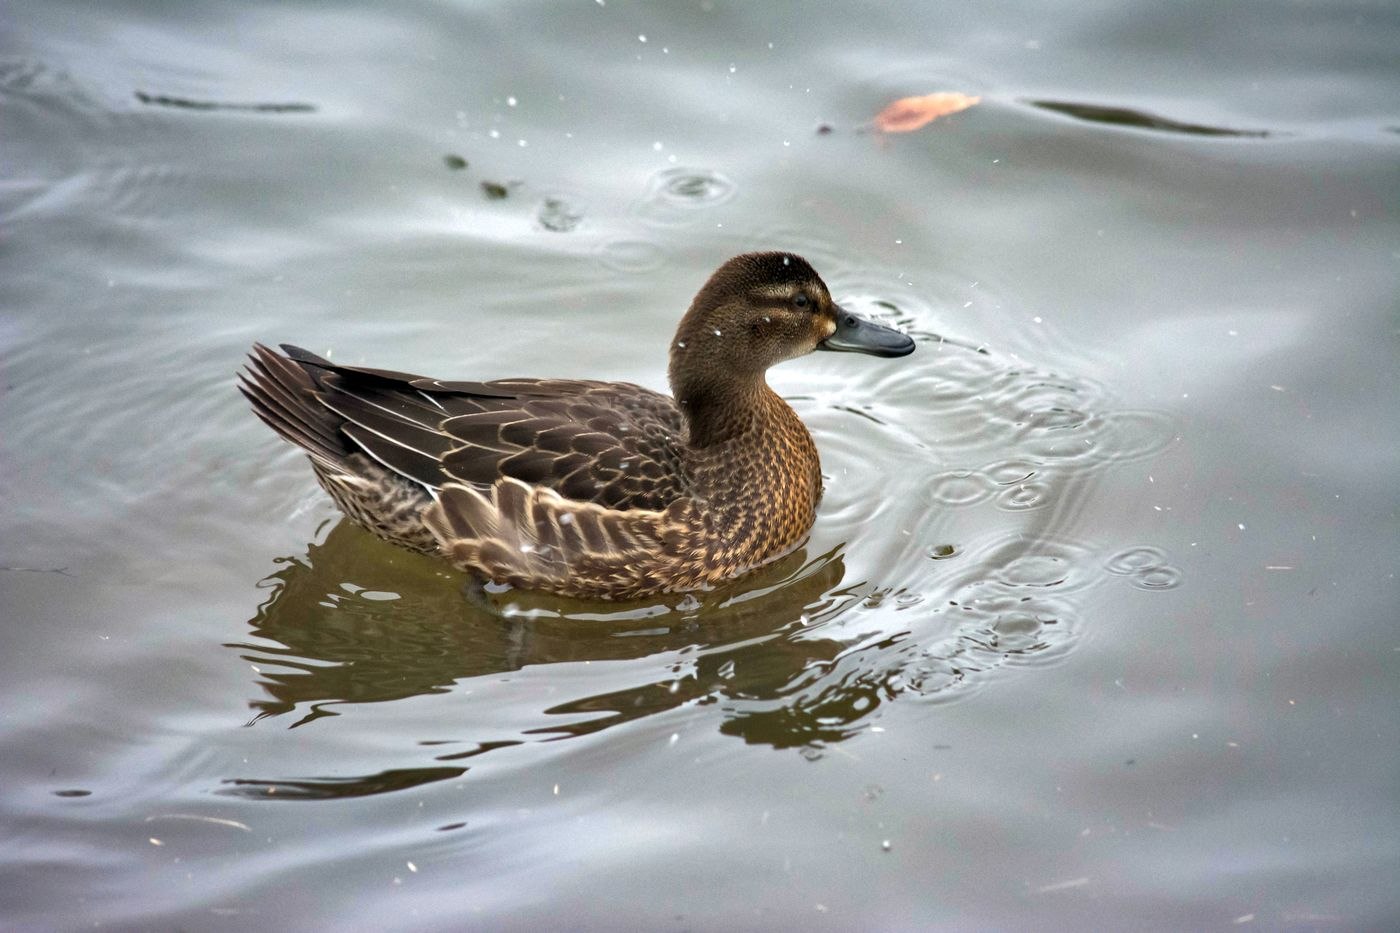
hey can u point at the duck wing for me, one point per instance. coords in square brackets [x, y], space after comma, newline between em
[533, 538]
[615, 444]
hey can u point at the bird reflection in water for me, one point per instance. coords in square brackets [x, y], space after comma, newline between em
[358, 621]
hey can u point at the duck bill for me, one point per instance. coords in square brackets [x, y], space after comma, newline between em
[855, 334]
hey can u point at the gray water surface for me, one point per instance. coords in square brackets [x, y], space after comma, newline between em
[1098, 622]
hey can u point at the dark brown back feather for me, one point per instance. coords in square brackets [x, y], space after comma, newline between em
[615, 444]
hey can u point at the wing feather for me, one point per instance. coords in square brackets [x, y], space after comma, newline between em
[616, 444]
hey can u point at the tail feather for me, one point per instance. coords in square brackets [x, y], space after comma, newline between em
[284, 397]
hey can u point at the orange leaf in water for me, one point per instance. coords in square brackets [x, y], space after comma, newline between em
[910, 113]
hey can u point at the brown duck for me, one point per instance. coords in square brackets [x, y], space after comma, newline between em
[581, 488]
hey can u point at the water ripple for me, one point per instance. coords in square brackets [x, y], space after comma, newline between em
[690, 187]
[957, 489]
[1145, 567]
[678, 196]
[631, 256]
[1024, 496]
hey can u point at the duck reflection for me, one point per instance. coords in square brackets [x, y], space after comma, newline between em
[358, 621]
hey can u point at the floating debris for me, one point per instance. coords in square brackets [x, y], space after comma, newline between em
[1138, 119]
[910, 113]
[558, 215]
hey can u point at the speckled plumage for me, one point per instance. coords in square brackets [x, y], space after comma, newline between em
[581, 488]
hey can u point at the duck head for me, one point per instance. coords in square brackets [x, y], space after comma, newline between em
[759, 309]
[755, 311]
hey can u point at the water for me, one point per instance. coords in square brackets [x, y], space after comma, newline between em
[1098, 622]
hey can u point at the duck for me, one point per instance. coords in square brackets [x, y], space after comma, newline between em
[579, 488]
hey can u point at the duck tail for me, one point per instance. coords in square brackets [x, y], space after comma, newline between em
[283, 395]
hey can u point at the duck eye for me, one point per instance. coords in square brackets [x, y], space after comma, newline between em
[802, 301]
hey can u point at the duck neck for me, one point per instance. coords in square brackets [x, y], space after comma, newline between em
[753, 461]
[716, 413]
